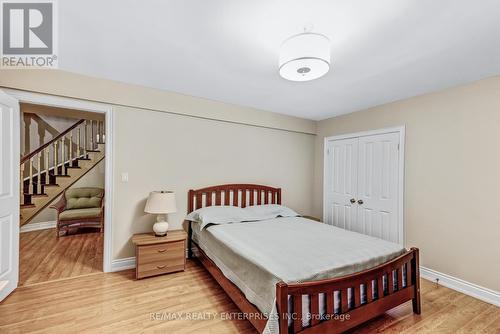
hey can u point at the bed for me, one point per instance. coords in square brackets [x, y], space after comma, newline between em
[324, 294]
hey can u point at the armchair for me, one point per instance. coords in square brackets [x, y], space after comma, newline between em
[80, 207]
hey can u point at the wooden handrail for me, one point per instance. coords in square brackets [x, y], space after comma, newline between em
[32, 154]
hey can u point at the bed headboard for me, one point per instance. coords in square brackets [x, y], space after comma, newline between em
[241, 195]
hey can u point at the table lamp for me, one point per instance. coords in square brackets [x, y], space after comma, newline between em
[161, 203]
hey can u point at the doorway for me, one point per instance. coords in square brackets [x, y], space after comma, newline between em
[364, 183]
[40, 176]
[62, 193]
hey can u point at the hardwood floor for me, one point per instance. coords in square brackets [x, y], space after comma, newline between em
[116, 303]
[43, 257]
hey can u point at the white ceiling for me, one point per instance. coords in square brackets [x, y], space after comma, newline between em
[227, 50]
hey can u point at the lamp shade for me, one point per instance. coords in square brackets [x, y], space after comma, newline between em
[305, 57]
[160, 202]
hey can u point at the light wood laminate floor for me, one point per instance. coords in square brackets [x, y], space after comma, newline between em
[43, 257]
[116, 303]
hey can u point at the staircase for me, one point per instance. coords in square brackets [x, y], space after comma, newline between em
[56, 165]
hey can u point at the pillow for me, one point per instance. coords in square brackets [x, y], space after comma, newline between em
[233, 214]
[267, 211]
[83, 198]
[217, 215]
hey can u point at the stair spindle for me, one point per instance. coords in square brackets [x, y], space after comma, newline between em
[78, 152]
[103, 132]
[86, 140]
[92, 147]
[70, 147]
[55, 158]
[98, 136]
[63, 157]
[31, 184]
[39, 174]
[47, 164]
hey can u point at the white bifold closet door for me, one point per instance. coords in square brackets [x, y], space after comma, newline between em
[362, 185]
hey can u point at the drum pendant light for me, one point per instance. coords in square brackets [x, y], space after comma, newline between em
[305, 57]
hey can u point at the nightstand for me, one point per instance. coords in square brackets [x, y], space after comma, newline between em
[159, 255]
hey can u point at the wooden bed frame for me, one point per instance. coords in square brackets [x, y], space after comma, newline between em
[378, 300]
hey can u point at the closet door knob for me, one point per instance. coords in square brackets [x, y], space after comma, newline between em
[353, 201]
[360, 202]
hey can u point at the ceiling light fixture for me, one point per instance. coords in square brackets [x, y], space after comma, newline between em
[305, 57]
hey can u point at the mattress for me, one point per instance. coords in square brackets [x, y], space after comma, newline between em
[257, 255]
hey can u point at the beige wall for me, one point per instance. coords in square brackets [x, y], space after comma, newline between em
[69, 84]
[171, 141]
[452, 175]
[173, 152]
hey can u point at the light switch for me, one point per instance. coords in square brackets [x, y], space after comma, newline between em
[124, 177]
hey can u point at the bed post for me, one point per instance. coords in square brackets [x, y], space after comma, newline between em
[416, 281]
[190, 229]
[189, 245]
[282, 305]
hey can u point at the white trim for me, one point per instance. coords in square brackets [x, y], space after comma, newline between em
[470, 289]
[71, 103]
[367, 133]
[401, 177]
[57, 101]
[108, 186]
[38, 226]
[123, 264]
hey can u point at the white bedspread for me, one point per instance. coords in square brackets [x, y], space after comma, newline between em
[257, 255]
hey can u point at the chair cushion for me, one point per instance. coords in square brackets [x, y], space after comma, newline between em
[82, 198]
[80, 214]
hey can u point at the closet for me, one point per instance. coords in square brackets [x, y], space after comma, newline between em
[363, 183]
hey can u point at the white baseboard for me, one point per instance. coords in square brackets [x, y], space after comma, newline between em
[123, 264]
[471, 289]
[37, 226]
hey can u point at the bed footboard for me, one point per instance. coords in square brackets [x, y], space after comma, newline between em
[385, 286]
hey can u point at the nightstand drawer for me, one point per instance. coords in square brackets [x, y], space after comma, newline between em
[159, 267]
[160, 258]
[152, 253]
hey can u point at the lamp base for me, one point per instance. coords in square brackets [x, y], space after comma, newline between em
[160, 227]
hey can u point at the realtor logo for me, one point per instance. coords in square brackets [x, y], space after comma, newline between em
[28, 34]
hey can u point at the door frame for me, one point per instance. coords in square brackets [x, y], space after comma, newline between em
[97, 107]
[401, 130]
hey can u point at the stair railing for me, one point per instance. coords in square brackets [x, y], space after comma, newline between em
[39, 170]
